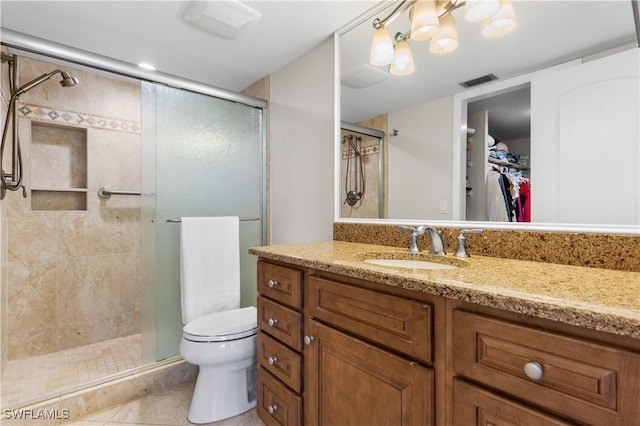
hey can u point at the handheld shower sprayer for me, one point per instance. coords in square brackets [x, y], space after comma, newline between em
[67, 81]
[13, 181]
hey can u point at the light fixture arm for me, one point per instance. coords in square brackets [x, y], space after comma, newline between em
[404, 5]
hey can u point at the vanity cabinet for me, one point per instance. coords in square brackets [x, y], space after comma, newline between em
[338, 350]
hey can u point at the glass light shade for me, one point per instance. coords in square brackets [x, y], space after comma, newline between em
[424, 20]
[447, 39]
[403, 61]
[381, 48]
[479, 10]
[502, 22]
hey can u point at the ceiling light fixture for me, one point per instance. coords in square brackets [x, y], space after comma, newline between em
[432, 20]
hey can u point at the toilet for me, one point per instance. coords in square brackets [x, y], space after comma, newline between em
[218, 336]
[223, 345]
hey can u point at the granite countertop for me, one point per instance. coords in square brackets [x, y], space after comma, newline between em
[599, 299]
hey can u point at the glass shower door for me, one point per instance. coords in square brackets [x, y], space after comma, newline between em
[202, 156]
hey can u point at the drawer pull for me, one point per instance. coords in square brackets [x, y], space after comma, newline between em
[272, 322]
[272, 360]
[272, 283]
[272, 409]
[533, 370]
[308, 340]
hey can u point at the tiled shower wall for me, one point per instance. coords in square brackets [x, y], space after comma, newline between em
[369, 205]
[74, 274]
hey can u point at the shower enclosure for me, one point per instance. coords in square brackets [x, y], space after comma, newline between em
[92, 284]
[362, 172]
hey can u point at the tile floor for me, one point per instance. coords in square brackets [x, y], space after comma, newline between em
[164, 408]
[27, 378]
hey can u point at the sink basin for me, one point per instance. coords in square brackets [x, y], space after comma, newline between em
[411, 264]
[413, 261]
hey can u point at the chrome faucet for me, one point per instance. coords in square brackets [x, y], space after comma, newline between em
[462, 238]
[437, 244]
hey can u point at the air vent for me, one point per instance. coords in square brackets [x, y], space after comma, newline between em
[224, 19]
[477, 81]
[364, 75]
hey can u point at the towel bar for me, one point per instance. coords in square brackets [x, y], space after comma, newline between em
[105, 193]
[243, 219]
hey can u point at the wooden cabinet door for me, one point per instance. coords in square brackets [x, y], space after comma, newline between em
[349, 382]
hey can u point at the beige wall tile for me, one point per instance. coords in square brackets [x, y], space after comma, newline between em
[94, 253]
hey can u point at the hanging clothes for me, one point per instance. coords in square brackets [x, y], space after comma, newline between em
[496, 207]
[507, 196]
[525, 200]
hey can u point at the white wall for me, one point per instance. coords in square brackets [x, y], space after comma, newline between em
[584, 143]
[301, 148]
[419, 160]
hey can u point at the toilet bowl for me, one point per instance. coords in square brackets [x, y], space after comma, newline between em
[223, 345]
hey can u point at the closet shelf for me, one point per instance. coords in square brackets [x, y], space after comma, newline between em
[506, 163]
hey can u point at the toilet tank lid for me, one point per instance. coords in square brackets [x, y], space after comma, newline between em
[225, 323]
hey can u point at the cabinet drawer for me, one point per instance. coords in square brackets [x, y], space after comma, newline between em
[280, 283]
[281, 361]
[277, 405]
[581, 379]
[280, 322]
[475, 406]
[394, 322]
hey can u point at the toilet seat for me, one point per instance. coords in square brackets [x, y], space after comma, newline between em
[223, 326]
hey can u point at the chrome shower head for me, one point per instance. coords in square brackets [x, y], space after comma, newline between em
[67, 80]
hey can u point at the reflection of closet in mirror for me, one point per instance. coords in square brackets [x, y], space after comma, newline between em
[500, 124]
[362, 172]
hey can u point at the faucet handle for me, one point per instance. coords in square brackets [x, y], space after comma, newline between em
[462, 237]
[419, 230]
[471, 231]
[413, 240]
[407, 228]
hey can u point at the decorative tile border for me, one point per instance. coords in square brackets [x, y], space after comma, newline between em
[51, 115]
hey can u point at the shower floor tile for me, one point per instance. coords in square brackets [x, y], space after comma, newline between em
[27, 378]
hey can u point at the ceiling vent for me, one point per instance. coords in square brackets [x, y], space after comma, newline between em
[364, 75]
[477, 81]
[221, 18]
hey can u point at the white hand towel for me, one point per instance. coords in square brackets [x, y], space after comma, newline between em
[209, 265]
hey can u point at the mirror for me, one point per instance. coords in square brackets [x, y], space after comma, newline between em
[425, 116]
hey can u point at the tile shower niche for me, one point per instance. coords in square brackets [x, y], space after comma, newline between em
[58, 167]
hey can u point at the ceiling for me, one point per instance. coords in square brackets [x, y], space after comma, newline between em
[548, 33]
[154, 32]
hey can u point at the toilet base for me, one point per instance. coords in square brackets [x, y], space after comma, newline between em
[220, 394]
